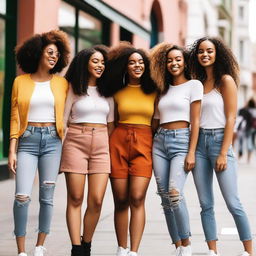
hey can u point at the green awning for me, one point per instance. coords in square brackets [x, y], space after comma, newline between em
[119, 18]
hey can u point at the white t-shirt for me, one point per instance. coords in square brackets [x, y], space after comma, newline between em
[90, 108]
[175, 104]
[42, 104]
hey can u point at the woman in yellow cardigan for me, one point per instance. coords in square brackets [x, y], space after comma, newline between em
[37, 107]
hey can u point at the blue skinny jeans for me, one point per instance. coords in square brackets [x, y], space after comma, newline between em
[208, 149]
[39, 148]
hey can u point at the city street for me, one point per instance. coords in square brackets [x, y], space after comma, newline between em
[155, 242]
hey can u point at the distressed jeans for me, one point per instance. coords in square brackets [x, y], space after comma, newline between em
[170, 148]
[208, 149]
[39, 148]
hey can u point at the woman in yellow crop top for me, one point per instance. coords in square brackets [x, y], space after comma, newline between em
[128, 80]
[37, 107]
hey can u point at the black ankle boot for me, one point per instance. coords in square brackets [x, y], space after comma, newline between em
[87, 248]
[77, 250]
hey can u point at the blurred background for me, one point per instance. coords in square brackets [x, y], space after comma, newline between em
[142, 22]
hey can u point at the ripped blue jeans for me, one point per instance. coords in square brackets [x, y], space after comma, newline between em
[39, 148]
[170, 148]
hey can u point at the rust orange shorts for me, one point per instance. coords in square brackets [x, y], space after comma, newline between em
[85, 150]
[131, 151]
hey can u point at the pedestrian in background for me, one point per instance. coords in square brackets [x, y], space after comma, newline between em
[244, 130]
[37, 108]
[128, 80]
[213, 63]
[175, 141]
[86, 148]
[252, 133]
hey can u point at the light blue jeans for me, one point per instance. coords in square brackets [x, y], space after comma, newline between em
[170, 148]
[208, 149]
[39, 148]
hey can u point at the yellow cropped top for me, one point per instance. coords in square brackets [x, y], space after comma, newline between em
[134, 106]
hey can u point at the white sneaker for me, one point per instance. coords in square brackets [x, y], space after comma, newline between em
[178, 251]
[39, 251]
[22, 254]
[130, 253]
[186, 250]
[245, 254]
[121, 251]
[212, 253]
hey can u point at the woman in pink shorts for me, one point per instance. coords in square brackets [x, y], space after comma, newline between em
[86, 150]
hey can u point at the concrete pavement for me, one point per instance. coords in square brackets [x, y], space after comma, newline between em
[155, 241]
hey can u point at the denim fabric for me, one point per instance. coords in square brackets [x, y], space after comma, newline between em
[208, 149]
[39, 148]
[170, 148]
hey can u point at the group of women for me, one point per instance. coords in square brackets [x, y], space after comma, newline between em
[98, 122]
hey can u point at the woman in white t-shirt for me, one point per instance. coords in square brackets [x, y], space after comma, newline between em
[174, 143]
[86, 149]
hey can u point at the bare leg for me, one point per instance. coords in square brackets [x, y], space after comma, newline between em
[121, 200]
[40, 238]
[20, 240]
[212, 245]
[75, 194]
[248, 246]
[138, 188]
[97, 184]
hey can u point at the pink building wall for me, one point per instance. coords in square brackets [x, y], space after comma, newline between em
[172, 12]
[36, 16]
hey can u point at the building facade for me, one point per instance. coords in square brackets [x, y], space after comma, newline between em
[87, 22]
[230, 21]
[242, 47]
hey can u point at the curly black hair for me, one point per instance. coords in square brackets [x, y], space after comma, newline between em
[225, 63]
[158, 65]
[78, 74]
[116, 69]
[29, 53]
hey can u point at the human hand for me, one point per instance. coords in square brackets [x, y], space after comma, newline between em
[189, 162]
[221, 163]
[12, 162]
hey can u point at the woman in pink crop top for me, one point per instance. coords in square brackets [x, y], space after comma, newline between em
[85, 154]
[128, 80]
[214, 64]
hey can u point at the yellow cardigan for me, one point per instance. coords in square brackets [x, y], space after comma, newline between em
[22, 91]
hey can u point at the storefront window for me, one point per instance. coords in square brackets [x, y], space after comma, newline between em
[84, 29]
[2, 61]
[3, 6]
[67, 22]
[90, 30]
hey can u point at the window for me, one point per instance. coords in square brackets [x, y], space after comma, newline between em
[3, 6]
[90, 30]
[83, 28]
[241, 51]
[67, 23]
[241, 12]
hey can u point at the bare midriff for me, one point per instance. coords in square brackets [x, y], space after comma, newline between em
[40, 124]
[90, 124]
[175, 125]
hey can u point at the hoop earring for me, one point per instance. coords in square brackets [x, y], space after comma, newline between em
[124, 79]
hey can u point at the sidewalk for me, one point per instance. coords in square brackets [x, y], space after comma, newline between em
[155, 241]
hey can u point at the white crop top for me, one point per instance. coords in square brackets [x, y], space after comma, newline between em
[42, 104]
[90, 108]
[212, 113]
[175, 104]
